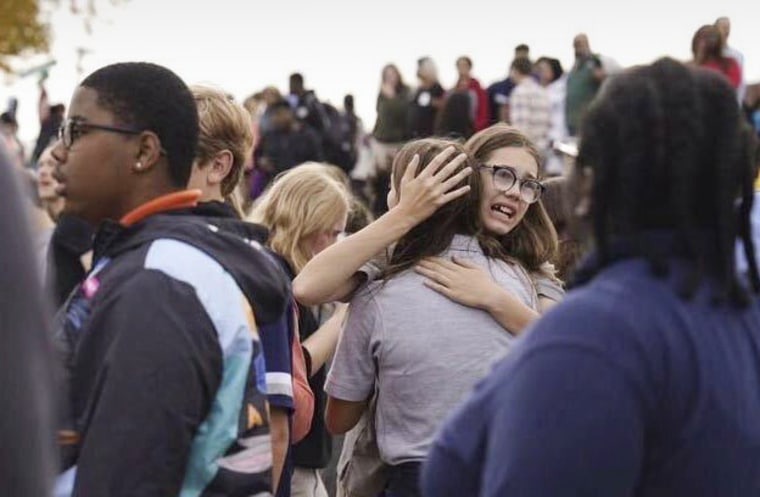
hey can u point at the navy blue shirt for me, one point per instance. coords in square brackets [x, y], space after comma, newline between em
[623, 389]
[498, 95]
[742, 265]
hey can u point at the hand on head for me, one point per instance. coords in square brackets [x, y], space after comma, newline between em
[434, 186]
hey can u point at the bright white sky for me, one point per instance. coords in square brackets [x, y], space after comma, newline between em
[341, 45]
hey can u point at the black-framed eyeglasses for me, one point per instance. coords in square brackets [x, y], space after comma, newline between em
[71, 129]
[505, 177]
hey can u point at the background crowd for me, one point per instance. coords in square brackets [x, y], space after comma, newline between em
[270, 297]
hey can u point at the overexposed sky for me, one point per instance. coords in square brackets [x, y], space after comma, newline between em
[340, 46]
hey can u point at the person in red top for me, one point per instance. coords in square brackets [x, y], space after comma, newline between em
[707, 47]
[479, 96]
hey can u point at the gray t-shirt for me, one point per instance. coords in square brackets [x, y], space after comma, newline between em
[426, 351]
[546, 287]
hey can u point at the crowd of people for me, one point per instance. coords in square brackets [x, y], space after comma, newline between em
[546, 287]
[537, 96]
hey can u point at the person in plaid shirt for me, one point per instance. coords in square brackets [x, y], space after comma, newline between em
[529, 107]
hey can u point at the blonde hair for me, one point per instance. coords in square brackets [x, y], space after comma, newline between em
[301, 202]
[224, 125]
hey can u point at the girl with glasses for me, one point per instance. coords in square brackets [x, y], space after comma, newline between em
[511, 226]
[413, 349]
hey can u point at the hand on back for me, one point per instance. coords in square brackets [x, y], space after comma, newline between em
[460, 280]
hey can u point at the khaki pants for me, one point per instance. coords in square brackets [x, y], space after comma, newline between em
[306, 482]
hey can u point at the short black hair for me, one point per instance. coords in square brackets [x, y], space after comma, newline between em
[296, 78]
[522, 47]
[556, 66]
[8, 118]
[523, 66]
[670, 153]
[151, 97]
[58, 109]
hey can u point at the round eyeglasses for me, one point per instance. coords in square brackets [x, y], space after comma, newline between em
[505, 177]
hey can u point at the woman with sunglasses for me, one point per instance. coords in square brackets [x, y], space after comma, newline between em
[512, 226]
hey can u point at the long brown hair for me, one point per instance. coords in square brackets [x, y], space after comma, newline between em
[434, 235]
[533, 242]
[400, 86]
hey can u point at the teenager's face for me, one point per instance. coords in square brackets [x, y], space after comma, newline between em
[46, 183]
[319, 241]
[502, 211]
[94, 172]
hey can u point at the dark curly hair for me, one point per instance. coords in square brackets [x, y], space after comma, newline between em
[151, 97]
[670, 153]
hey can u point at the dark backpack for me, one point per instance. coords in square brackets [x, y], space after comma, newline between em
[337, 131]
[339, 138]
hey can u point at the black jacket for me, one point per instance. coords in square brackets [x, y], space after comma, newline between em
[289, 148]
[72, 238]
[226, 218]
[165, 368]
